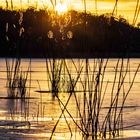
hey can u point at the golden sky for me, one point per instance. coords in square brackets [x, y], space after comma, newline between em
[126, 8]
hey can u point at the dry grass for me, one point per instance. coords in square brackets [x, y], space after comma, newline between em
[93, 122]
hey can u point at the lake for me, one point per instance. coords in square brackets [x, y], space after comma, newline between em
[73, 83]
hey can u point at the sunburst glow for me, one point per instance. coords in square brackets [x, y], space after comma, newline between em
[61, 8]
[126, 8]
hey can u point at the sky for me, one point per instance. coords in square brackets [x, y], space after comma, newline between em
[126, 8]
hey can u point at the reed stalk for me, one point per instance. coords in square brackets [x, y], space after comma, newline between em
[94, 92]
[54, 69]
[16, 79]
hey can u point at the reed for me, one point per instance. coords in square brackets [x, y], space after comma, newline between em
[16, 89]
[22, 84]
[16, 79]
[12, 70]
[92, 122]
[54, 69]
[98, 121]
[12, 6]
[6, 2]
[64, 106]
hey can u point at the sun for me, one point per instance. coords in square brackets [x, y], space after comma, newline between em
[61, 8]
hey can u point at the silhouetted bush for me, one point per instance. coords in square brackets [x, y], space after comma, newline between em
[92, 35]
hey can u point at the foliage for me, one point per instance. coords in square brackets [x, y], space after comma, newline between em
[103, 33]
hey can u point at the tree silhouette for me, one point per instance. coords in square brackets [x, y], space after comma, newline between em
[104, 34]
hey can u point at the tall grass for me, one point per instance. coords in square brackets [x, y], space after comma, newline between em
[19, 110]
[101, 111]
[64, 106]
[16, 79]
[12, 77]
[54, 69]
[93, 122]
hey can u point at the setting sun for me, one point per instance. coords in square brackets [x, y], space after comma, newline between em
[61, 8]
[124, 8]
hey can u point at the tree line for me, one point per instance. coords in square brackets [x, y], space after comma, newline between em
[43, 33]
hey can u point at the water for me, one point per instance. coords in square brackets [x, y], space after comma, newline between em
[36, 117]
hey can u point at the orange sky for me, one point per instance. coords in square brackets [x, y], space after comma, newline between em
[125, 7]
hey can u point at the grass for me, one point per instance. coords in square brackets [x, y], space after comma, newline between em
[12, 77]
[54, 70]
[17, 89]
[94, 123]
[16, 79]
[99, 119]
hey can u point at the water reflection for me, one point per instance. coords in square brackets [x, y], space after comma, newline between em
[18, 109]
[44, 110]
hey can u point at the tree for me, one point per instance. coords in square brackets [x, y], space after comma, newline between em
[138, 25]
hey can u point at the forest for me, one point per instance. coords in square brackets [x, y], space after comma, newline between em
[74, 34]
